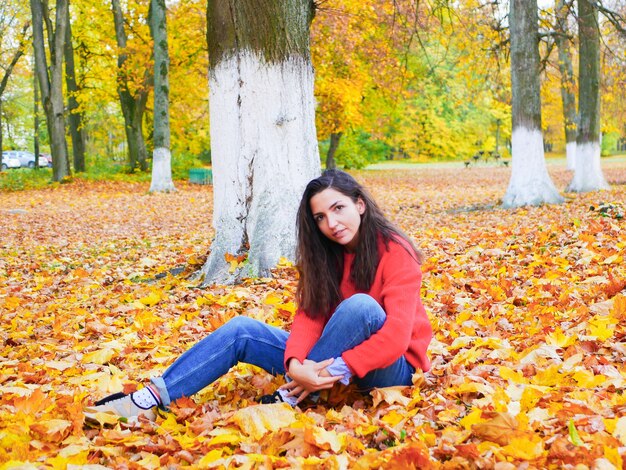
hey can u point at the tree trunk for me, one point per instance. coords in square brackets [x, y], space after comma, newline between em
[36, 120]
[133, 107]
[530, 183]
[51, 85]
[588, 172]
[332, 149]
[161, 156]
[567, 82]
[263, 142]
[77, 131]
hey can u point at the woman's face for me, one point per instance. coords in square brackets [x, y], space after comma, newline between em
[338, 216]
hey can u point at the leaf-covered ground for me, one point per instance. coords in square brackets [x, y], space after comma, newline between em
[527, 305]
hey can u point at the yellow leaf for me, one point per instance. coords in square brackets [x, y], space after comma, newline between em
[151, 299]
[600, 327]
[524, 448]
[103, 419]
[509, 374]
[100, 356]
[209, 458]
[471, 418]
[258, 420]
[392, 418]
[149, 460]
[227, 438]
[272, 299]
[558, 338]
[327, 440]
[612, 455]
[390, 395]
[586, 379]
[620, 430]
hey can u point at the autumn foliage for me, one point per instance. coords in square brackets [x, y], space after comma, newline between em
[528, 309]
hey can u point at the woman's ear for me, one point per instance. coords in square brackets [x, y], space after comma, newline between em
[360, 206]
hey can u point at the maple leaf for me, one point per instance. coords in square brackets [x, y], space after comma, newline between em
[258, 420]
[390, 395]
[499, 429]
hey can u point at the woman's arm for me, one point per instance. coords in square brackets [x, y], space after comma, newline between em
[400, 275]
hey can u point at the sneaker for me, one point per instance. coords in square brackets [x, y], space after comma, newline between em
[122, 405]
[269, 399]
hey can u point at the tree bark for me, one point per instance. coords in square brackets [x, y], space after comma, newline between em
[75, 117]
[161, 155]
[588, 174]
[36, 120]
[530, 183]
[263, 142]
[51, 83]
[133, 106]
[567, 82]
[332, 149]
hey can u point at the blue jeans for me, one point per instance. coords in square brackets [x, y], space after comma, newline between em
[247, 340]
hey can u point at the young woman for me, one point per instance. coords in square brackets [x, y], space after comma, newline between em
[360, 318]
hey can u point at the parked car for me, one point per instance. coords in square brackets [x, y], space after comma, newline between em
[9, 161]
[26, 158]
[48, 158]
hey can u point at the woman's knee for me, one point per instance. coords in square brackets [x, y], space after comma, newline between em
[362, 306]
[242, 324]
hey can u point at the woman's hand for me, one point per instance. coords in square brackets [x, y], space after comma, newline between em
[308, 377]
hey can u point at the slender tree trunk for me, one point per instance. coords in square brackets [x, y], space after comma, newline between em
[530, 183]
[133, 106]
[51, 84]
[36, 120]
[332, 149]
[75, 117]
[588, 172]
[263, 143]
[161, 156]
[567, 82]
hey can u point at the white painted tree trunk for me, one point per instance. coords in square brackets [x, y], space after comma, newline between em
[588, 174]
[264, 152]
[530, 183]
[162, 171]
[570, 155]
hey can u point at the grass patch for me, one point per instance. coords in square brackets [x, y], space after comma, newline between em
[98, 169]
[19, 179]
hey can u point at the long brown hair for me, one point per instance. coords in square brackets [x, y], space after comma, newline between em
[320, 260]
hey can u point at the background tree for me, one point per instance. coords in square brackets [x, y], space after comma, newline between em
[75, 115]
[568, 85]
[133, 83]
[51, 78]
[263, 141]
[588, 172]
[161, 156]
[11, 50]
[530, 183]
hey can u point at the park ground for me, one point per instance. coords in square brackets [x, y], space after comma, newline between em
[527, 306]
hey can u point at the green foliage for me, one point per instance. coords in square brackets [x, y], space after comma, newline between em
[19, 179]
[357, 150]
[609, 143]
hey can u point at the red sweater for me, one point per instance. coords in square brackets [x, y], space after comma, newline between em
[406, 330]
